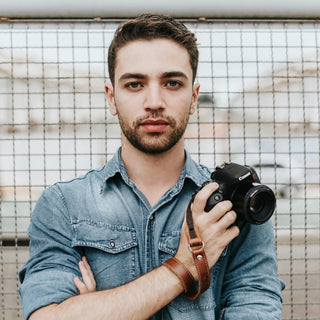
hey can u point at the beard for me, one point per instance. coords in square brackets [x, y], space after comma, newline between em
[156, 142]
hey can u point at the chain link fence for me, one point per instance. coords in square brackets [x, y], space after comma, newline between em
[259, 105]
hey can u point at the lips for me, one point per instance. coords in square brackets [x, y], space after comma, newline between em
[154, 126]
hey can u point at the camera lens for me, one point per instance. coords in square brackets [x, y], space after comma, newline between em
[259, 204]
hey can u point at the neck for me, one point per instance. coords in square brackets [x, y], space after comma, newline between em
[153, 174]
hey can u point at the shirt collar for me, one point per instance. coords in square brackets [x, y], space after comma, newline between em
[191, 170]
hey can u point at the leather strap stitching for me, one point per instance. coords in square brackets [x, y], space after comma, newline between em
[196, 247]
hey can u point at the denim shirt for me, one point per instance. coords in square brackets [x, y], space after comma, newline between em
[103, 216]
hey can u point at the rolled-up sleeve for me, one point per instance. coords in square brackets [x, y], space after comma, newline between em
[252, 289]
[48, 275]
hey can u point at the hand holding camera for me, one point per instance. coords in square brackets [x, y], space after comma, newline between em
[210, 221]
[213, 231]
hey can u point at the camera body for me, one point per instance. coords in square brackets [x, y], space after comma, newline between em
[252, 201]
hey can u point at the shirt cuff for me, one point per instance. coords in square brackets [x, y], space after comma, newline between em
[44, 288]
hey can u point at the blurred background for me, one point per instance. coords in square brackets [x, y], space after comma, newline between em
[259, 105]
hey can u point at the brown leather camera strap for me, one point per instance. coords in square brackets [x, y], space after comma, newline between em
[196, 247]
[185, 276]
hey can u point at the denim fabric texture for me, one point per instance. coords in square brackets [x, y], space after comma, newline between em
[103, 216]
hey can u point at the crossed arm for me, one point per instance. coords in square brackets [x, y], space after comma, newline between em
[143, 297]
[135, 300]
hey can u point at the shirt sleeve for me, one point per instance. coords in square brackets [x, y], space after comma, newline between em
[48, 275]
[252, 289]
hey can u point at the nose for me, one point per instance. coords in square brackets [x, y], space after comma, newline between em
[154, 98]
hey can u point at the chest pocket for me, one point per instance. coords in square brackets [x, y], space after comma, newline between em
[168, 245]
[111, 251]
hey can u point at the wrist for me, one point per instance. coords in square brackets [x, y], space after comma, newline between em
[181, 271]
[188, 262]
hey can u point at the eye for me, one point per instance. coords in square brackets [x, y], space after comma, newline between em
[134, 85]
[173, 84]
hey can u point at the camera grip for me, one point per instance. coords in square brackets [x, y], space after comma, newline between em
[215, 198]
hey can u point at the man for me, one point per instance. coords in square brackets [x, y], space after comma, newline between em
[127, 218]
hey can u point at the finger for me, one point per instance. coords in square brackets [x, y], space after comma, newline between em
[202, 196]
[218, 245]
[80, 285]
[87, 276]
[231, 233]
[220, 210]
[215, 231]
[228, 219]
[88, 268]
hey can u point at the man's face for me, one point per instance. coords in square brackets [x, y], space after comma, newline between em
[153, 94]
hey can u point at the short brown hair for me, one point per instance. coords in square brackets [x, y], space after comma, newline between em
[150, 27]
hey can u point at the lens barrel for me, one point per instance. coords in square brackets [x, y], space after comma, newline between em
[259, 204]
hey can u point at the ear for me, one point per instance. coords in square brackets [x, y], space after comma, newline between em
[110, 96]
[195, 94]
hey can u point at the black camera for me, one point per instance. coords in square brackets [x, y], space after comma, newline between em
[252, 201]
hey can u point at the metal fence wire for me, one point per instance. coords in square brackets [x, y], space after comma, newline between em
[259, 105]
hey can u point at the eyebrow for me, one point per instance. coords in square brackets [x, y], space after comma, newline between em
[165, 75]
[129, 75]
[173, 74]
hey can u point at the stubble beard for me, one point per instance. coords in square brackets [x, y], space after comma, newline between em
[157, 142]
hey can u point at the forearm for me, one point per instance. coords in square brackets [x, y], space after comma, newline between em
[139, 299]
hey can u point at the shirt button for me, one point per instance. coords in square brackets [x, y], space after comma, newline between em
[112, 244]
[151, 217]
